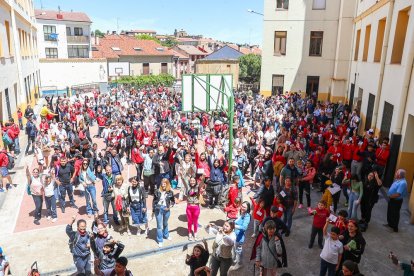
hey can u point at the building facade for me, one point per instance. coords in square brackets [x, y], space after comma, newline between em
[63, 34]
[129, 56]
[382, 83]
[19, 65]
[306, 46]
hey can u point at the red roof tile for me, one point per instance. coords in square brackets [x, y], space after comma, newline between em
[62, 16]
[128, 46]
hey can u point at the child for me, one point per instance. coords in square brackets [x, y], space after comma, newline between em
[199, 258]
[259, 213]
[327, 196]
[20, 118]
[269, 249]
[50, 199]
[331, 254]
[320, 214]
[280, 208]
[109, 253]
[232, 208]
[258, 175]
[341, 222]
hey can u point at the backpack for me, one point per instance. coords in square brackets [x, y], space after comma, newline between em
[73, 242]
[11, 162]
[6, 139]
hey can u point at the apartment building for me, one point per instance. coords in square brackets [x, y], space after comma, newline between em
[306, 46]
[381, 84]
[63, 34]
[19, 68]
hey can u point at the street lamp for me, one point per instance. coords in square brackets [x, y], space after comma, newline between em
[252, 11]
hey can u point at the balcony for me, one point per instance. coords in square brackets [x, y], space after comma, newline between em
[76, 39]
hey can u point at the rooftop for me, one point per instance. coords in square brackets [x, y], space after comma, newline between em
[224, 53]
[114, 46]
[62, 16]
[191, 50]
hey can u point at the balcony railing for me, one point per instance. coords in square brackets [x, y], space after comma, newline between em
[77, 39]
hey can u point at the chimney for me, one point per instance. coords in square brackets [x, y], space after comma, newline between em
[59, 16]
[114, 32]
[96, 40]
[107, 32]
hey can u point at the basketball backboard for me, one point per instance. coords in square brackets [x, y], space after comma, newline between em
[201, 92]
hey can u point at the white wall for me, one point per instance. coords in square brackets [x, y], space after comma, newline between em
[63, 73]
[296, 65]
[61, 44]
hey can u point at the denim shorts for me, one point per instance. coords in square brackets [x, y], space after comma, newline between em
[4, 171]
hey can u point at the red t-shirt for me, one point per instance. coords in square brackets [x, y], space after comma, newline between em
[319, 218]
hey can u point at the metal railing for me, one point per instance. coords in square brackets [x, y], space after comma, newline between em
[77, 39]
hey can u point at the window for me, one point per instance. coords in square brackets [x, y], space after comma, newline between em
[78, 51]
[51, 53]
[164, 68]
[49, 33]
[145, 68]
[380, 40]
[277, 84]
[68, 32]
[315, 46]
[282, 4]
[366, 43]
[116, 49]
[280, 43]
[78, 31]
[319, 4]
[386, 120]
[399, 37]
[357, 45]
[9, 38]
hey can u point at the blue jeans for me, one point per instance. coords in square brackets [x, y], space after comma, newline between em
[327, 267]
[353, 206]
[62, 190]
[162, 217]
[82, 264]
[51, 206]
[17, 145]
[287, 216]
[90, 193]
[38, 201]
[106, 210]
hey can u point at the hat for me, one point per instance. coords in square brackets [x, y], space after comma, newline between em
[370, 130]
[1, 250]
[234, 164]
[328, 182]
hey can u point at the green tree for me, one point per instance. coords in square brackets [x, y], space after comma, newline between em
[147, 37]
[98, 33]
[250, 66]
[169, 42]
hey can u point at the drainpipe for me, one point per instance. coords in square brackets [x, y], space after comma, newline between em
[351, 57]
[382, 66]
[405, 89]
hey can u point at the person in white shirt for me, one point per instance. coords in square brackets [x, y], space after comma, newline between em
[60, 133]
[270, 137]
[331, 254]
[50, 199]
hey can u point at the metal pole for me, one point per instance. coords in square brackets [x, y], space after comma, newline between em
[230, 114]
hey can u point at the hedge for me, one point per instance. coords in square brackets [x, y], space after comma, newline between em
[145, 80]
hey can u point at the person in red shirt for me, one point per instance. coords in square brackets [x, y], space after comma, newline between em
[259, 213]
[336, 150]
[6, 179]
[320, 214]
[382, 154]
[101, 124]
[347, 152]
[137, 159]
[20, 118]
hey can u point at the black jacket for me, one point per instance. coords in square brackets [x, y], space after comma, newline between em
[169, 199]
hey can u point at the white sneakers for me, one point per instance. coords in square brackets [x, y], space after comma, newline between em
[54, 220]
[160, 244]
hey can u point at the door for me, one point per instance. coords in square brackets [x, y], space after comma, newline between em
[312, 86]
[277, 84]
[359, 99]
[386, 120]
[6, 94]
[351, 94]
[370, 111]
[145, 69]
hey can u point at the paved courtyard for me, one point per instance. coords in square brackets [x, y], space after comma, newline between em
[24, 242]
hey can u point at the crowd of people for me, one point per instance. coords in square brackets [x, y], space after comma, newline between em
[285, 147]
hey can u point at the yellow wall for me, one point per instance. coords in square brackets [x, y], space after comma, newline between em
[335, 99]
[266, 93]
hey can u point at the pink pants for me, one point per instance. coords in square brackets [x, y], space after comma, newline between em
[193, 212]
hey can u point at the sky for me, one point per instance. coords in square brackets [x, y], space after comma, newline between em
[225, 20]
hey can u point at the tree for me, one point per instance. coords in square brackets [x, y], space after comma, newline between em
[250, 66]
[98, 33]
[169, 43]
[147, 37]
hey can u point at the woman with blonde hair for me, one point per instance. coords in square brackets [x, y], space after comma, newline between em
[161, 205]
[120, 193]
